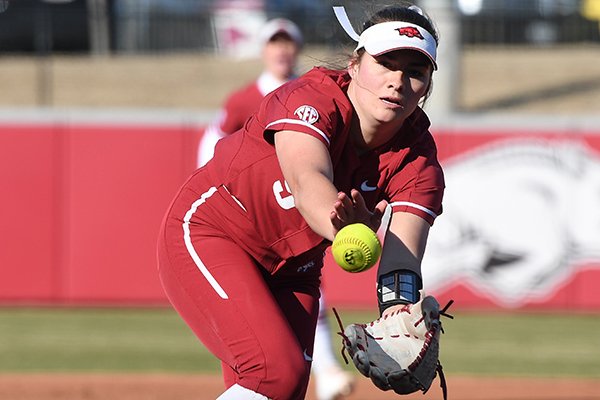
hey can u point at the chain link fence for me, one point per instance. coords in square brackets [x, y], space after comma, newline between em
[123, 26]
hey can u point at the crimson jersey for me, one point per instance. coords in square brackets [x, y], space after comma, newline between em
[243, 190]
[239, 106]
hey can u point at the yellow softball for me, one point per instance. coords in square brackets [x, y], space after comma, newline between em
[356, 248]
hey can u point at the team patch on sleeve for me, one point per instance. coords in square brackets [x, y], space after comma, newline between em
[307, 114]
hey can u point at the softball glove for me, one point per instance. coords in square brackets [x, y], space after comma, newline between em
[400, 351]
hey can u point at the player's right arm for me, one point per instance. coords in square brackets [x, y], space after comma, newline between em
[308, 170]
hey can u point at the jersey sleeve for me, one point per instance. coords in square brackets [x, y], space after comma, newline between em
[420, 191]
[302, 108]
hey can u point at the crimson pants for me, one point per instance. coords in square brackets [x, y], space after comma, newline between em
[260, 326]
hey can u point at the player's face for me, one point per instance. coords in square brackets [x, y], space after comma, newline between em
[280, 56]
[388, 87]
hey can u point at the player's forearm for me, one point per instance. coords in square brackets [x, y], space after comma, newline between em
[314, 196]
[307, 168]
[399, 274]
[405, 242]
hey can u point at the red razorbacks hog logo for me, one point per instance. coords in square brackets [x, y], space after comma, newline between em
[410, 31]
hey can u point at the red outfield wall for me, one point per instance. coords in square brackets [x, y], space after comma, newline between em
[82, 202]
[81, 208]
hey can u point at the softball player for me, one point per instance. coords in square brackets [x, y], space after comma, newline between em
[241, 246]
[282, 42]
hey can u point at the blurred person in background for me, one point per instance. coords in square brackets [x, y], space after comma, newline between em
[282, 42]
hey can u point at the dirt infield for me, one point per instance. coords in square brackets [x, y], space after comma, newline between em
[204, 387]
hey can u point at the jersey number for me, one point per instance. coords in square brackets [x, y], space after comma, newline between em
[283, 195]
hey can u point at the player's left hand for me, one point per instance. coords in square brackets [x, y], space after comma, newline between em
[352, 209]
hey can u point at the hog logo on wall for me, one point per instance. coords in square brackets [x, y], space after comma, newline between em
[520, 218]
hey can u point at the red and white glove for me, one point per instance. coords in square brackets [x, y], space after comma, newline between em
[400, 351]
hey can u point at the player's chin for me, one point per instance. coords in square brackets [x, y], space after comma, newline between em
[388, 116]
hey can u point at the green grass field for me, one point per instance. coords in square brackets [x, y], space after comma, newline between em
[156, 340]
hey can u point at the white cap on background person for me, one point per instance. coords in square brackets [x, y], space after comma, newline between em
[281, 25]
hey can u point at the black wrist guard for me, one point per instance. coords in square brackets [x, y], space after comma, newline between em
[398, 287]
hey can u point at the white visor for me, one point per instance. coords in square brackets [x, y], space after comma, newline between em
[395, 35]
[389, 36]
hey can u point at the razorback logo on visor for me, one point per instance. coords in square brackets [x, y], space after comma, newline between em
[410, 31]
[307, 114]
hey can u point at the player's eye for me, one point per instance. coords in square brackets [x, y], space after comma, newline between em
[416, 72]
[385, 63]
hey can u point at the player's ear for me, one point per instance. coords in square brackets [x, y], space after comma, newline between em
[354, 63]
[352, 68]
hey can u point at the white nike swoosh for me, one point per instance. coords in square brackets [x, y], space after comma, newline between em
[306, 356]
[366, 188]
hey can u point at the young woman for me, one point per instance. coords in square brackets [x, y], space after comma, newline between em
[241, 247]
[282, 43]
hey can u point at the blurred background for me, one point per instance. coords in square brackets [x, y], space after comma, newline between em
[103, 102]
[522, 56]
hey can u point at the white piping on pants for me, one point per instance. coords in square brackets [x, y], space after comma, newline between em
[190, 247]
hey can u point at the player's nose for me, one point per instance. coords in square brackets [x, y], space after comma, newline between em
[396, 80]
